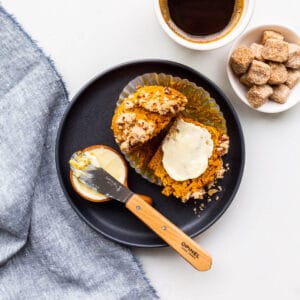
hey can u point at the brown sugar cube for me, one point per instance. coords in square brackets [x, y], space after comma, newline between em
[275, 50]
[244, 80]
[292, 78]
[256, 49]
[280, 94]
[259, 94]
[270, 34]
[279, 73]
[259, 73]
[294, 56]
[240, 59]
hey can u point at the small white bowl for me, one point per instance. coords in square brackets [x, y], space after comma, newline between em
[254, 36]
[235, 32]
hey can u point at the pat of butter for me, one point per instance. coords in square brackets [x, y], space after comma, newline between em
[186, 150]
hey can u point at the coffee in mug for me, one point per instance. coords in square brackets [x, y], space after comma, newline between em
[201, 21]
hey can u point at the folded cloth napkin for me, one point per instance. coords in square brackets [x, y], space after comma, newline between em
[46, 251]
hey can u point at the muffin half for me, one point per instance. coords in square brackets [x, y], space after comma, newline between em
[189, 159]
[144, 114]
[148, 111]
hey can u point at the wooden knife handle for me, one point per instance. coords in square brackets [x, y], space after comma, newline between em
[146, 198]
[170, 233]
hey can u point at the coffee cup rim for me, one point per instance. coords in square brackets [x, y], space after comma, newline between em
[236, 31]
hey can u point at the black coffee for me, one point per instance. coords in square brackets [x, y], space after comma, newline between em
[201, 17]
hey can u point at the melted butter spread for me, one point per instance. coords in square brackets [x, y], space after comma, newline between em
[186, 150]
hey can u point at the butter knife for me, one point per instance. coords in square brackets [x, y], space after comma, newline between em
[101, 181]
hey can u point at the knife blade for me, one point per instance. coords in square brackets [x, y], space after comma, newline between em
[102, 182]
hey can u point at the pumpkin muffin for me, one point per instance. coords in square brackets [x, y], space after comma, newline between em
[189, 159]
[172, 132]
[144, 114]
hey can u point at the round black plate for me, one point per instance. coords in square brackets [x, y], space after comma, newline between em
[87, 122]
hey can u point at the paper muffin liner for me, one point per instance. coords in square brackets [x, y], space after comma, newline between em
[200, 107]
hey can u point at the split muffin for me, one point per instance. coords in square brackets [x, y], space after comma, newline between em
[189, 159]
[144, 114]
[173, 135]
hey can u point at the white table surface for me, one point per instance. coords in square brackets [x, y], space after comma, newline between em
[256, 244]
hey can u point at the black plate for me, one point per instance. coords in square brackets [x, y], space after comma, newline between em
[87, 122]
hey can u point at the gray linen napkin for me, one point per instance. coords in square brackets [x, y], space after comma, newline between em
[46, 251]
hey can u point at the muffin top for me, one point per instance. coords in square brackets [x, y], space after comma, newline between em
[158, 99]
[144, 114]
